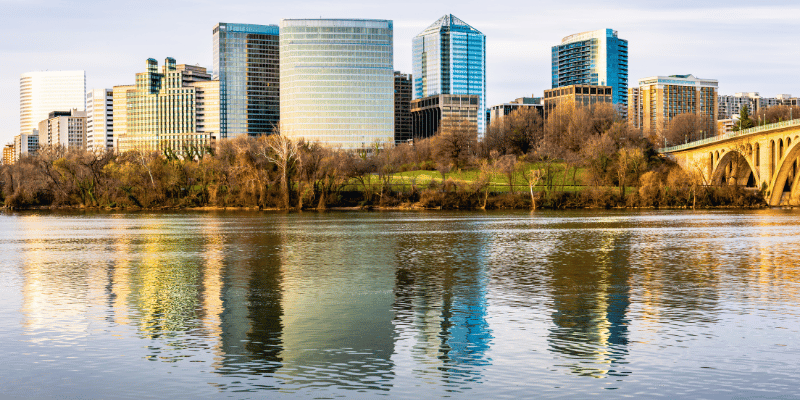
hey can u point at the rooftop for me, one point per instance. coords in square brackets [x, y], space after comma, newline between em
[448, 20]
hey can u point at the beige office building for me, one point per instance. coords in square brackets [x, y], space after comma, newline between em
[428, 113]
[661, 98]
[176, 109]
[576, 95]
[43, 92]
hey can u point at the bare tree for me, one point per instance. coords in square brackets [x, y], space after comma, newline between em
[282, 152]
[533, 176]
[456, 140]
[686, 127]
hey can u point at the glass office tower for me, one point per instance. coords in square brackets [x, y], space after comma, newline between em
[246, 64]
[337, 81]
[597, 58]
[449, 57]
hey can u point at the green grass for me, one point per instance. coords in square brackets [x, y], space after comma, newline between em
[499, 183]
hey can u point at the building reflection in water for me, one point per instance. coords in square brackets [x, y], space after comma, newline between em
[337, 300]
[440, 304]
[590, 300]
[252, 309]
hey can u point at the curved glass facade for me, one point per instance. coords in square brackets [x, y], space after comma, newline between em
[337, 81]
[449, 57]
[43, 92]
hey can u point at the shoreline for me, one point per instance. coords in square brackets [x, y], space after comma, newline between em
[412, 207]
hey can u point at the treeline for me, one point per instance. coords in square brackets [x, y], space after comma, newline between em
[579, 157]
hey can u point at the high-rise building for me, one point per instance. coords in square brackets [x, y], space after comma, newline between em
[64, 128]
[598, 58]
[99, 120]
[662, 98]
[337, 85]
[8, 154]
[402, 107]
[449, 57]
[428, 112]
[43, 92]
[119, 112]
[175, 109]
[246, 63]
[577, 95]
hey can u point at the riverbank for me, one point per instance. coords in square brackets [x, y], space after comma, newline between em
[592, 198]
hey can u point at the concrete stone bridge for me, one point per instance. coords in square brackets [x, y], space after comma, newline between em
[765, 155]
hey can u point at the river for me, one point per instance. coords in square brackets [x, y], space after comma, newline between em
[553, 304]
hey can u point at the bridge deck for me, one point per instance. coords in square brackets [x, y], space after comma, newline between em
[732, 135]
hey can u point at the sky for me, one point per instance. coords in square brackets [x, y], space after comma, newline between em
[749, 46]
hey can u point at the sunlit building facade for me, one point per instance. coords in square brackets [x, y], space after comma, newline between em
[176, 109]
[43, 92]
[662, 98]
[99, 120]
[598, 58]
[577, 95]
[246, 63]
[449, 57]
[337, 81]
[8, 154]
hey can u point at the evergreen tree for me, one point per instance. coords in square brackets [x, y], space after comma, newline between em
[744, 119]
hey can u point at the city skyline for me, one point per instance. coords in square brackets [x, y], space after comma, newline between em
[707, 39]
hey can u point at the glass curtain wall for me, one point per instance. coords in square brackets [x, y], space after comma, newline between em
[246, 62]
[337, 81]
[449, 57]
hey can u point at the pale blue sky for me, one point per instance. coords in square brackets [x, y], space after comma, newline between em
[746, 45]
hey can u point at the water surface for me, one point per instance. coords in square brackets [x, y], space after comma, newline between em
[577, 304]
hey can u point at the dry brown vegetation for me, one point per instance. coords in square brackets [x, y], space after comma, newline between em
[619, 168]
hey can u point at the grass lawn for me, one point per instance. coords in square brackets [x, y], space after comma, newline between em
[499, 183]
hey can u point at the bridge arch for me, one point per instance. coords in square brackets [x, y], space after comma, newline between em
[786, 177]
[734, 168]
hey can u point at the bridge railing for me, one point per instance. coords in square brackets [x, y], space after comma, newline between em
[743, 132]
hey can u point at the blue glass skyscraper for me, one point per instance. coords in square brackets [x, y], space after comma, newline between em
[449, 57]
[247, 65]
[593, 58]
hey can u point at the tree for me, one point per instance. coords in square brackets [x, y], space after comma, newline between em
[745, 122]
[533, 176]
[628, 160]
[455, 141]
[282, 152]
[686, 127]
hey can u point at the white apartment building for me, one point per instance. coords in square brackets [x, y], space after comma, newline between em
[99, 120]
[730, 106]
[64, 128]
